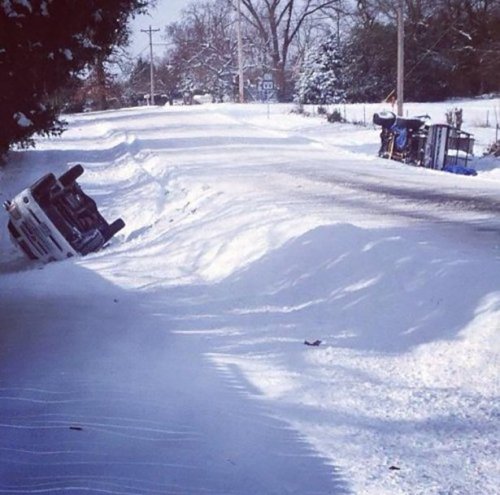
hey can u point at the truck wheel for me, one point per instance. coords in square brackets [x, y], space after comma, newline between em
[113, 228]
[71, 175]
[386, 119]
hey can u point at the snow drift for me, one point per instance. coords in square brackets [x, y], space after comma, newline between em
[173, 361]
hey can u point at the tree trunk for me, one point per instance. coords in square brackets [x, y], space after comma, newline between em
[101, 99]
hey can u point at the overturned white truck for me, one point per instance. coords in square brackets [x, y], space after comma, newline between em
[54, 219]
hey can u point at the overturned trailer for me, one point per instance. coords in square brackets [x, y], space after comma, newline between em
[416, 141]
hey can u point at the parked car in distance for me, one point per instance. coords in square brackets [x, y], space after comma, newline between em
[54, 219]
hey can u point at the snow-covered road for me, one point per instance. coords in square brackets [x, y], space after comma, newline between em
[102, 396]
[174, 360]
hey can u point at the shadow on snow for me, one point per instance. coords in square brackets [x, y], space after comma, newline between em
[97, 394]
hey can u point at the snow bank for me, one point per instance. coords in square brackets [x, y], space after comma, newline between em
[174, 360]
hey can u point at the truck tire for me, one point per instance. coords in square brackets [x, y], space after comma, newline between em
[71, 175]
[385, 119]
[113, 228]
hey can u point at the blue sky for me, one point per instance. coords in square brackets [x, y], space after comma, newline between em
[165, 12]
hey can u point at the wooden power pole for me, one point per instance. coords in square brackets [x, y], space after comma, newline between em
[241, 88]
[400, 69]
[151, 66]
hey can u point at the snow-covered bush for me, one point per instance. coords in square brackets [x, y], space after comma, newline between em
[493, 149]
[335, 116]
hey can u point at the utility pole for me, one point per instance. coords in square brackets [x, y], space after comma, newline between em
[240, 57]
[151, 68]
[338, 29]
[400, 82]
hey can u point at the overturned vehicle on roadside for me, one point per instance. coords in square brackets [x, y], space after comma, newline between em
[418, 142]
[54, 219]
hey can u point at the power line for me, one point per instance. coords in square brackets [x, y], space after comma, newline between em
[426, 53]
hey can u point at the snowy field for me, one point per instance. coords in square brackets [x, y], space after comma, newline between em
[173, 361]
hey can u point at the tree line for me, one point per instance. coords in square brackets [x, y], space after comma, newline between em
[315, 51]
[334, 50]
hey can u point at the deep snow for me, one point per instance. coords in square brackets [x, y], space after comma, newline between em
[174, 360]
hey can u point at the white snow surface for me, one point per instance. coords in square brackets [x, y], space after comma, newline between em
[173, 361]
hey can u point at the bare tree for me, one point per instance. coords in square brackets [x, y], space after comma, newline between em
[278, 23]
[204, 46]
[451, 47]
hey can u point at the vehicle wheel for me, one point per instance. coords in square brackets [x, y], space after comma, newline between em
[113, 228]
[385, 119]
[71, 175]
[43, 186]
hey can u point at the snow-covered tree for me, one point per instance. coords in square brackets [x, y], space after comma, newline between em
[44, 46]
[204, 47]
[321, 78]
[278, 24]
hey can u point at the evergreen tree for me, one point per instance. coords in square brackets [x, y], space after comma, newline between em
[168, 78]
[44, 46]
[321, 79]
[371, 55]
